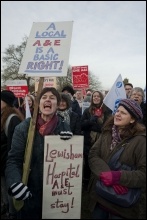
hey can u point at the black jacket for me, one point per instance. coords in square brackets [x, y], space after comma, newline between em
[6, 141]
[32, 208]
[76, 108]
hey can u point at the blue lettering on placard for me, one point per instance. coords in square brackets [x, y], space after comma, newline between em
[52, 25]
[46, 57]
[51, 34]
[48, 65]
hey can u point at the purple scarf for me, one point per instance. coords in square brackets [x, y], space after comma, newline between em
[46, 128]
[115, 137]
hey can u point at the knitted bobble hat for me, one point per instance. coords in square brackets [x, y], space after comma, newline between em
[132, 107]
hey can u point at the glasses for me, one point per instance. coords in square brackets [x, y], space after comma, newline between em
[128, 89]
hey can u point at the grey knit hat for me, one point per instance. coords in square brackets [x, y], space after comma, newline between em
[132, 107]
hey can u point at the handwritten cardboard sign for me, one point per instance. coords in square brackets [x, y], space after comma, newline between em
[48, 82]
[62, 179]
[47, 49]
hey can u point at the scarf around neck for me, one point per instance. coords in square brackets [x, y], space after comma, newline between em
[46, 128]
[115, 137]
[65, 114]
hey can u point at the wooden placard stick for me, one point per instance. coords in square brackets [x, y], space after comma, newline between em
[29, 144]
[18, 101]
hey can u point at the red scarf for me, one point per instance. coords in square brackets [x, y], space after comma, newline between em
[46, 128]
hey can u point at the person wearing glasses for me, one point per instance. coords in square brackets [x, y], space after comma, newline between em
[128, 88]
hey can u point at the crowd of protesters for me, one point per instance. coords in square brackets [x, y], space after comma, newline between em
[104, 134]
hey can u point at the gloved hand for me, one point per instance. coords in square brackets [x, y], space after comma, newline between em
[110, 178]
[19, 191]
[66, 135]
[120, 189]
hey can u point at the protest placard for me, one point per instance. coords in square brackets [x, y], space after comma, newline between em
[47, 49]
[18, 87]
[62, 180]
[48, 82]
[80, 77]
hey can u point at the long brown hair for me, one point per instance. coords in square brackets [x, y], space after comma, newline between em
[94, 106]
[8, 110]
[128, 131]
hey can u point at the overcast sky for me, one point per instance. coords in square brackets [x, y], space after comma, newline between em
[109, 37]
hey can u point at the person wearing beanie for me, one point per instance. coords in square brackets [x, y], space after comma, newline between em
[74, 103]
[132, 107]
[8, 97]
[65, 111]
[123, 138]
[10, 118]
[48, 123]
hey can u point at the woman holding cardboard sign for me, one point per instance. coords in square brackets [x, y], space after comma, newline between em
[48, 123]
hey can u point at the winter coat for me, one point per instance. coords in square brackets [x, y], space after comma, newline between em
[133, 154]
[76, 108]
[32, 208]
[143, 108]
[75, 123]
[87, 126]
[6, 141]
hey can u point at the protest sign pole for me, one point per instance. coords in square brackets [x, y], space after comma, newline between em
[29, 145]
[18, 101]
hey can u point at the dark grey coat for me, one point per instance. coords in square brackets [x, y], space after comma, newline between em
[133, 154]
[32, 208]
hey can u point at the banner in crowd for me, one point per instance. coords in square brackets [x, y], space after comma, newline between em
[116, 93]
[80, 78]
[47, 49]
[18, 87]
[62, 181]
[48, 82]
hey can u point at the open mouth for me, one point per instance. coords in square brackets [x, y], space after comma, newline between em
[47, 105]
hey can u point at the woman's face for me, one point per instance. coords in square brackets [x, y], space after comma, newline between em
[122, 117]
[96, 98]
[48, 104]
[62, 105]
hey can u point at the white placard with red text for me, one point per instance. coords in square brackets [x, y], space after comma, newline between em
[18, 87]
[62, 181]
[48, 82]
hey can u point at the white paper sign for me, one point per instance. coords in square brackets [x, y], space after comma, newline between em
[47, 49]
[85, 105]
[62, 181]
